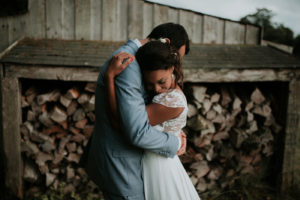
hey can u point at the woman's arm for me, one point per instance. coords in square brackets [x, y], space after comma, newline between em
[158, 113]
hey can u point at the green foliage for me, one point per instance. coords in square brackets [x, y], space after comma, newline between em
[272, 31]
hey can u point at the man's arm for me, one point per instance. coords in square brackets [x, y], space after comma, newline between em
[134, 118]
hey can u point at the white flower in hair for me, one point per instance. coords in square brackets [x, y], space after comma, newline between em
[163, 40]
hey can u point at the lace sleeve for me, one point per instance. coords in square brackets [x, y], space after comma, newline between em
[173, 98]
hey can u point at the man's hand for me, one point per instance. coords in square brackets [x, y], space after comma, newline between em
[182, 149]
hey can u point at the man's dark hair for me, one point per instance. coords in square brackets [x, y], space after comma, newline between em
[175, 32]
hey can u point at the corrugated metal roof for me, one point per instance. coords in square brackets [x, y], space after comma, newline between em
[93, 53]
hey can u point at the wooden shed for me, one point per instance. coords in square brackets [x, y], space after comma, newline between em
[80, 61]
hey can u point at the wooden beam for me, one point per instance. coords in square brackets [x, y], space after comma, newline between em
[237, 75]
[11, 109]
[291, 133]
[51, 73]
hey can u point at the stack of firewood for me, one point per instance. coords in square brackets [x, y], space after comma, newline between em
[56, 127]
[229, 136]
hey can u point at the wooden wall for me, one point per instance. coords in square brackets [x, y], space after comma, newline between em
[117, 20]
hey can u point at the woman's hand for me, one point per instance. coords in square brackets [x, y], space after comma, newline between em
[118, 63]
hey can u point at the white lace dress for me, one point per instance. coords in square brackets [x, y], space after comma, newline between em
[166, 178]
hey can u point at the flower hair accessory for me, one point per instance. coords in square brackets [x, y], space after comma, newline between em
[163, 40]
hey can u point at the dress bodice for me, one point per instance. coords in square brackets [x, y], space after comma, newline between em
[172, 98]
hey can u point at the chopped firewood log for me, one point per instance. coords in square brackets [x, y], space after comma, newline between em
[83, 98]
[31, 116]
[42, 157]
[78, 115]
[30, 95]
[71, 147]
[79, 150]
[48, 97]
[218, 108]
[91, 87]
[211, 114]
[74, 130]
[249, 106]
[78, 138]
[91, 116]
[226, 99]
[221, 136]
[53, 129]
[26, 128]
[29, 148]
[58, 115]
[62, 143]
[199, 93]
[70, 173]
[201, 168]
[72, 93]
[65, 101]
[201, 186]
[45, 119]
[210, 153]
[68, 189]
[203, 140]
[215, 173]
[90, 105]
[30, 172]
[72, 157]
[192, 110]
[58, 157]
[237, 137]
[50, 179]
[257, 97]
[72, 108]
[215, 98]
[24, 103]
[206, 105]
[194, 180]
[81, 123]
[48, 146]
[44, 169]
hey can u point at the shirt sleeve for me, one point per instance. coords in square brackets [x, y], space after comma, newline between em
[134, 118]
[173, 99]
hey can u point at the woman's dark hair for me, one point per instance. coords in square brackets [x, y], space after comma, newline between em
[175, 32]
[156, 55]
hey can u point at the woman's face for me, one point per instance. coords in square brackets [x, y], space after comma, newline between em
[159, 81]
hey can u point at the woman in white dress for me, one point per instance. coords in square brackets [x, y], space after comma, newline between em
[164, 178]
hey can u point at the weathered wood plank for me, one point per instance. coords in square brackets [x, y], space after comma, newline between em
[109, 19]
[135, 16]
[16, 27]
[36, 24]
[230, 75]
[186, 19]
[121, 25]
[59, 73]
[4, 33]
[160, 14]
[54, 18]
[83, 19]
[173, 15]
[234, 33]
[96, 19]
[68, 19]
[252, 34]
[213, 30]
[147, 19]
[291, 132]
[11, 134]
[197, 37]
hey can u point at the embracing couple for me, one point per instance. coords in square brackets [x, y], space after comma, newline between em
[140, 110]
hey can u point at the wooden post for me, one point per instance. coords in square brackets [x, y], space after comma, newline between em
[11, 109]
[291, 132]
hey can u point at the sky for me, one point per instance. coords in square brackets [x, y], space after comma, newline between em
[286, 12]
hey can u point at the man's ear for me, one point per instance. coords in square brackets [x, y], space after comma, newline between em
[168, 40]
